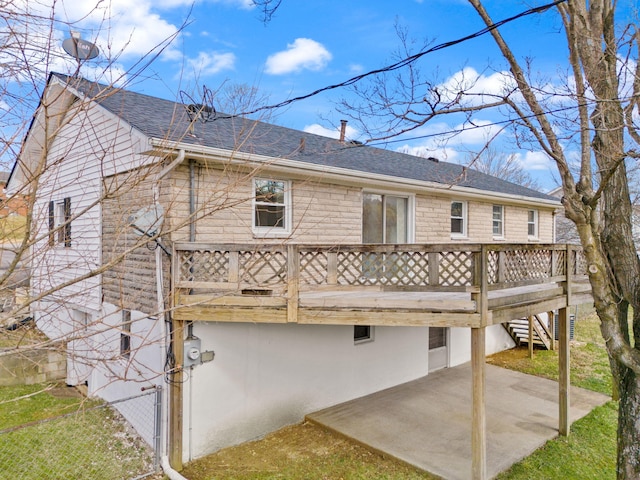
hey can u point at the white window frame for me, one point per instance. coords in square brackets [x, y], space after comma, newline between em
[494, 222]
[411, 209]
[272, 231]
[533, 223]
[462, 234]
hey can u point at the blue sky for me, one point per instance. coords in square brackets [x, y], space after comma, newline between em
[310, 44]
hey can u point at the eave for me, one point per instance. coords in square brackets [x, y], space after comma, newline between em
[339, 175]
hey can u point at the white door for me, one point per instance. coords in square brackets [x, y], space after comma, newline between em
[438, 348]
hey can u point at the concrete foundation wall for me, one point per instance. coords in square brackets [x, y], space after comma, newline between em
[266, 376]
[33, 366]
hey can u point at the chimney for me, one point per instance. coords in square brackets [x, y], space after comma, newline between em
[343, 130]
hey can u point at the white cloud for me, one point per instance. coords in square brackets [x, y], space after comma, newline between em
[476, 86]
[210, 63]
[302, 54]
[120, 28]
[317, 129]
[535, 161]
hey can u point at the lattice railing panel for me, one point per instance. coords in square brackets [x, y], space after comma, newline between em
[579, 263]
[357, 268]
[456, 269]
[204, 265]
[382, 268]
[263, 267]
[313, 268]
[493, 267]
[560, 263]
[408, 268]
[522, 265]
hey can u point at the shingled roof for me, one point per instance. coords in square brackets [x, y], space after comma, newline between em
[169, 120]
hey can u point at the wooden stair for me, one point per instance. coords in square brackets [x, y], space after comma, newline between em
[519, 331]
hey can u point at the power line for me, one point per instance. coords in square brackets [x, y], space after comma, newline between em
[466, 129]
[402, 63]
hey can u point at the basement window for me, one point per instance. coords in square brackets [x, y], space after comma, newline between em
[362, 333]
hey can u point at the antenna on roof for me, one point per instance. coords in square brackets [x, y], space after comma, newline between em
[203, 111]
[80, 49]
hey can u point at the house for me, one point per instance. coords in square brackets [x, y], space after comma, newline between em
[10, 205]
[262, 272]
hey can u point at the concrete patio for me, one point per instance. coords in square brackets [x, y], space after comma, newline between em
[427, 422]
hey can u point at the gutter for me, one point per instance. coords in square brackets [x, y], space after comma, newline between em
[343, 175]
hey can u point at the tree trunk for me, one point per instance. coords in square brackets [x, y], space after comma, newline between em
[629, 425]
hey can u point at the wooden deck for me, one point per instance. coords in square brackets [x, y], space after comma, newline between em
[418, 285]
[456, 285]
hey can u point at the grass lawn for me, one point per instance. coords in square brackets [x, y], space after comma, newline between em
[306, 451]
[88, 443]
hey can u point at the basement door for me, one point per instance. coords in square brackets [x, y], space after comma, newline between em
[438, 348]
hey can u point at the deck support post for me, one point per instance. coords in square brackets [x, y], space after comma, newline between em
[478, 422]
[564, 372]
[530, 320]
[293, 283]
[175, 397]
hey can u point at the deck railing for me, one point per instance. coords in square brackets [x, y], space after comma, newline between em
[255, 268]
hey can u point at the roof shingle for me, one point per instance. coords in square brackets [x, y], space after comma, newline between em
[169, 120]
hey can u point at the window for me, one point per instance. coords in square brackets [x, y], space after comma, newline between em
[532, 224]
[437, 337]
[458, 219]
[498, 221]
[82, 319]
[362, 333]
[60, 222]
[125, 334]
[271, 207]
[384, 218]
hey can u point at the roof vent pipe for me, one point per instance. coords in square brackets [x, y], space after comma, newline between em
[343, 130]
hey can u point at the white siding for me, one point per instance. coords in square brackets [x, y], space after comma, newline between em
[87, 145]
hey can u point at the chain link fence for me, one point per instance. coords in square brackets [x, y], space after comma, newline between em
[110, 441]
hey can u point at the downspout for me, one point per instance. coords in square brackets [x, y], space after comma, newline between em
[192, 200]
[168, 471]
[192, 238]
[162, 318]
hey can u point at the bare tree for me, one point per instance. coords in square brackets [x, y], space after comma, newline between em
[501, 165]
[592, 116]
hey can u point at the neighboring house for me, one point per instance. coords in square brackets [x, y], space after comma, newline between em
[565, 229]
[10, 205]
[566, 232]
[232, 199]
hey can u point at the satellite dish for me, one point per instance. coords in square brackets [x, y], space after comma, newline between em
[80, 49]
[148, 220]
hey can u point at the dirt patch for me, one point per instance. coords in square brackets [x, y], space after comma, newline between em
[65, 392]
[302, 451]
